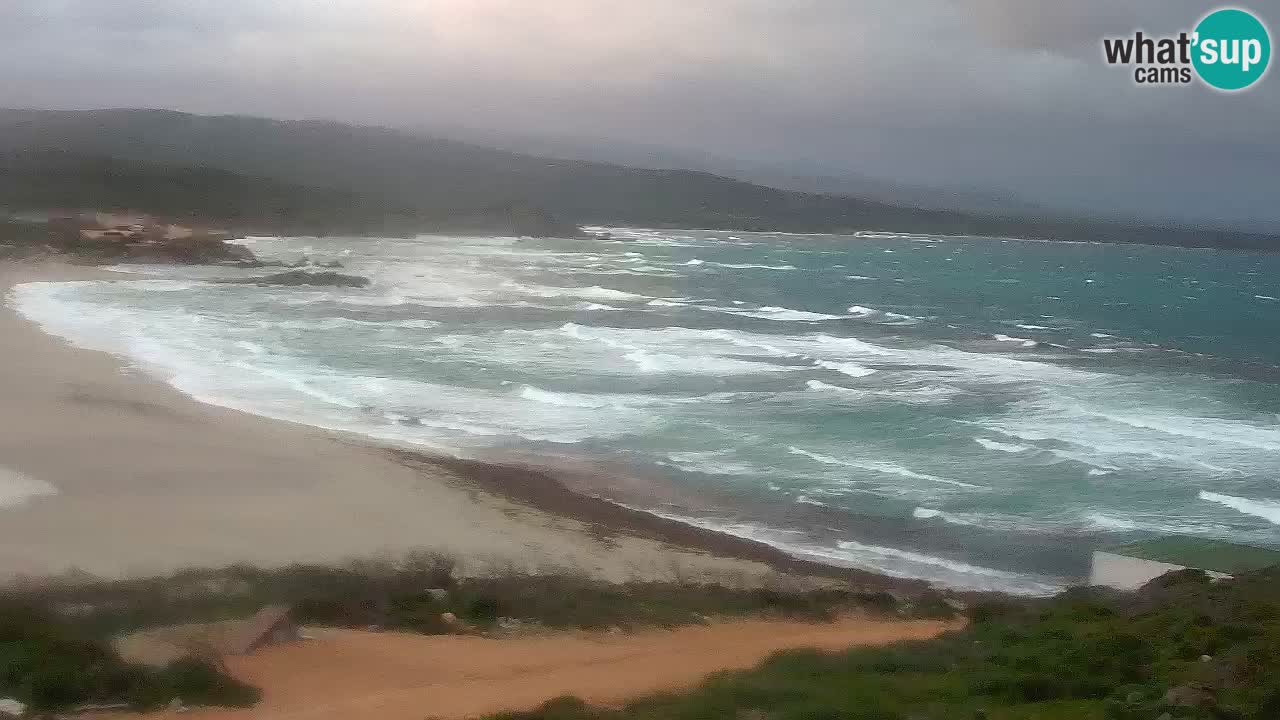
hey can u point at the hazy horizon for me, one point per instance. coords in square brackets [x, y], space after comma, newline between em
[995, 97]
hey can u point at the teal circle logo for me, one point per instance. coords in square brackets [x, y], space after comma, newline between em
[1231, 49]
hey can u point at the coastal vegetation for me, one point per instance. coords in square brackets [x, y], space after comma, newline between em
[1182, 647]
[412, 593]
[51, 663]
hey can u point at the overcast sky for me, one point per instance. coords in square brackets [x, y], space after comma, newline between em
[984, 94]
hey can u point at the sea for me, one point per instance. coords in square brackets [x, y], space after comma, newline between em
[977, 412]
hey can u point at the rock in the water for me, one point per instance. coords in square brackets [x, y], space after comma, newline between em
[10, 708]
[301, 277]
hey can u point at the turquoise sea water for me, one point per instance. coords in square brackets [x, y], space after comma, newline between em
[978, 412]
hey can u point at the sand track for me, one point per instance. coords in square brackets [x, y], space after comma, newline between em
[344, 674]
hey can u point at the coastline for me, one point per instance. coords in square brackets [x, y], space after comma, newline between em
[147, 480]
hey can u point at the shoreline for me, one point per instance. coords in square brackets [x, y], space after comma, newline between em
[272, 492]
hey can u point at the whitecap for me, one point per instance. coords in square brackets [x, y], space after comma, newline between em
[1002, 447]
[1266, 509]
[779, 314]
[848, 368]
[880, 466]
[1025, 342]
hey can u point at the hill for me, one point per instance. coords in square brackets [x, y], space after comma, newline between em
[394, 173]
[48, 179]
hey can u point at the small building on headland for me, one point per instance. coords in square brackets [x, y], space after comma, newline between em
[1130, 566]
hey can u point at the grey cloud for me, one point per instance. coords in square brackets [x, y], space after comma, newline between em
[997, 93]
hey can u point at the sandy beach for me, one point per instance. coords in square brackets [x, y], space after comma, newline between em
[126, 476]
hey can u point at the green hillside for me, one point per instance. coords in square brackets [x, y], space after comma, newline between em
[426, 178]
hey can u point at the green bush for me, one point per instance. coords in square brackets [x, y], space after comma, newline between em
[50, 664]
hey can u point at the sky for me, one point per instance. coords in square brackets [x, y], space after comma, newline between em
[989, 95]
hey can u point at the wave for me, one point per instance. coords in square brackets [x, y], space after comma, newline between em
[1117, 522]
[594, 292]
[752, 266]
[1025, 342]
[1215, 430]
[924, 395]
[881, 466]
[987, 521]
[1002, 447]
[528, 392]
[893, 562]
[335, 323]
[1266, 509]
[864, 312]
[850, 369]
[780, 314]
[651, 362]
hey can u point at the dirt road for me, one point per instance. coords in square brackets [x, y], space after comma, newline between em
[343, 674]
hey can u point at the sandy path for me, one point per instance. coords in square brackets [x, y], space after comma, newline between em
[344, 674]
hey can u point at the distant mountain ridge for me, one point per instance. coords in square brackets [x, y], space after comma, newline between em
[379, 172]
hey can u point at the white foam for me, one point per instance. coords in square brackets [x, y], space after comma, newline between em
[578, 400]
[1264, 297]
[850, 369]
[752, 266]
[1002, 447]
[1034, 327]
[1025, 342]
[989, 521]
[780, 314]
[850, 392]
[1268, 510]
[594, 292]
[17, 489]
[887, 561]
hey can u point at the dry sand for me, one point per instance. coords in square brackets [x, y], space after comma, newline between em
[344, 674]
[147, 481]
